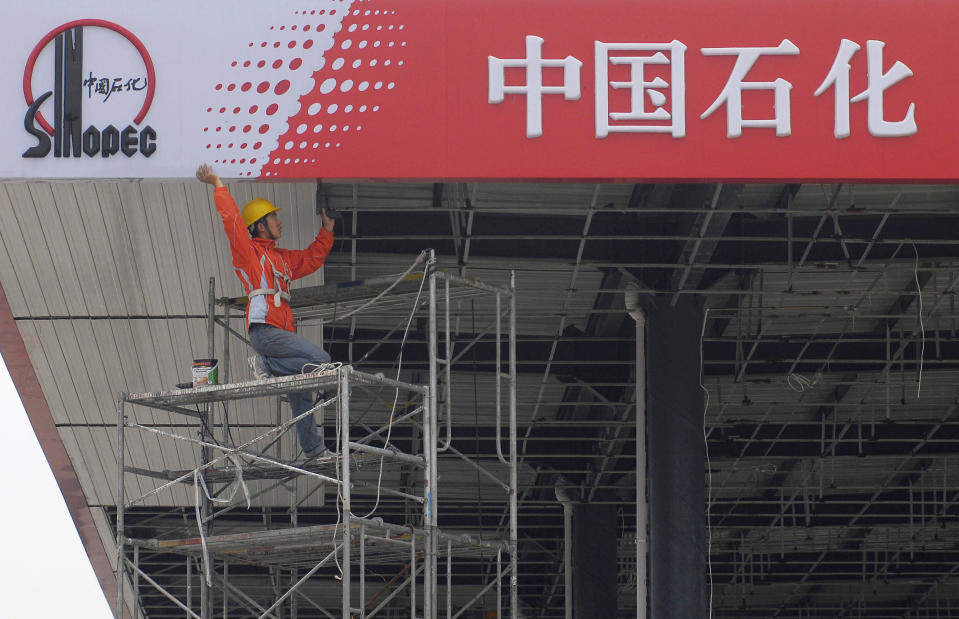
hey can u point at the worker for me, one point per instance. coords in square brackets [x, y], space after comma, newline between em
[265, 271]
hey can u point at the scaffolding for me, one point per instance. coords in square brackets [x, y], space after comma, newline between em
[225, 469]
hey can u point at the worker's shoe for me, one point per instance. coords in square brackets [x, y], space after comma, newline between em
[258, 367]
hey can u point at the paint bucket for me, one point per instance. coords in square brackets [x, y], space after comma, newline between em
[204, 372]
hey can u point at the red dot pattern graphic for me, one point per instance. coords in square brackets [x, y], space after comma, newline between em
[362, 71]
[308, 87]
[260, 89]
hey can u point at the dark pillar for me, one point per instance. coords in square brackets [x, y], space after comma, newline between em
[594, 561]
[676, 460]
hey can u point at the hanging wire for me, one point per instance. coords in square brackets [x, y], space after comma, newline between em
[396, 394]
[922, 327]
[709, 468]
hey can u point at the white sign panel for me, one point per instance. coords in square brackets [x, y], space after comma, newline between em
[153, 88]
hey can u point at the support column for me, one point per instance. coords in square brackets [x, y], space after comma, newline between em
[676, 458]
[594, 560]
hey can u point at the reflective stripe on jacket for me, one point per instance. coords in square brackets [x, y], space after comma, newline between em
[265, 269]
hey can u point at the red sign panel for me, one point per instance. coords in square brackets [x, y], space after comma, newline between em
[620, 89]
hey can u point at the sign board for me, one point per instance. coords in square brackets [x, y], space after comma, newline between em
[679, 90]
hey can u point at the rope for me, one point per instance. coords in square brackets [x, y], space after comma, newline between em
[200, 482]
[317, 368]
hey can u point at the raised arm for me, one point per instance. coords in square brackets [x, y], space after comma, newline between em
[236, 232]
[205, 174]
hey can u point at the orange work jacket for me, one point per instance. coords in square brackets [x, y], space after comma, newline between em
[266, 270]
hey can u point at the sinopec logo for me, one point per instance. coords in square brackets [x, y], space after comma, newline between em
[109, 83]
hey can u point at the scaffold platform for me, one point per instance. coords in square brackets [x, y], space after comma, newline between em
[250, 471]
[304, 546]
[173, 399]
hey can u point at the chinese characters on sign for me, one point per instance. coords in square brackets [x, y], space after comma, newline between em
[534, 89]
[106, 86]
[656, 93]
[732, 94]
[838, 78]
[639, 88]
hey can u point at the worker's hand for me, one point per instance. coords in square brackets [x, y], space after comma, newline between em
[327, 221]
[205, 174]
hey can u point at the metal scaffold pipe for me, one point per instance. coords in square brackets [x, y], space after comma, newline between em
[513, 472]
[207, 435]
[121, 500]
[429, 451]
[344, 402]
[642, 509]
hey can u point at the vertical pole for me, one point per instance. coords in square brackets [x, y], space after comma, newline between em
[278, 448]
[499, 584]
[121, 500]
[678, 580]
[225, 369]
[413, 575]
[294, 523]
[355, 218]
[362, 571]
[499, 380]
[225, 361]
[211, 317]
[513, 508]
[568, 557]
[207, 435]
[449, 368]
[189, 584]
[277, 583]
[136, 581]
[429, 453]
[294, 605]
[344, 401]
[449, 579]
[642, 510]
[226, 581]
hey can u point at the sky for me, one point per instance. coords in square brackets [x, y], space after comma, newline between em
[44, 572]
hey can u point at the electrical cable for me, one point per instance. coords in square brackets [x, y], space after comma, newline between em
[396, 395]
[799, 383]
[922, 327]
[709, 468]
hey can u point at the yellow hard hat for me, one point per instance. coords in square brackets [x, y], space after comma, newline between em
[256, 209]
